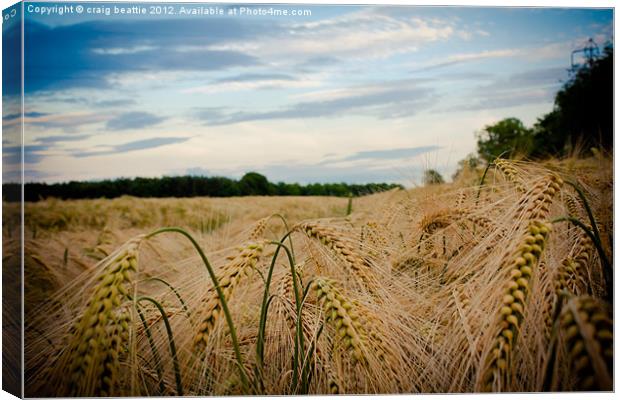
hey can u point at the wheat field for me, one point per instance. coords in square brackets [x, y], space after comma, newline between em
[498, 281]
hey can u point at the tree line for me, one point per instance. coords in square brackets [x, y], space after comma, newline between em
[251, 184]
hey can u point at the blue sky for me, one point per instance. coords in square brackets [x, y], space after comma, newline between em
[350, 93]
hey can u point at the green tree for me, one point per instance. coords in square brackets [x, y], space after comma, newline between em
[432, 177]
[582, 116]
[506, 138]
[254, 184]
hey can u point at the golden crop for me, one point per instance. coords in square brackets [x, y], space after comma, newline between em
[460, 287]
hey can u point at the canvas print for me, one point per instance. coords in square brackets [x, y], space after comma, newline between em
[213, 199]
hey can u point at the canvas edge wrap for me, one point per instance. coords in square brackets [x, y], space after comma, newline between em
[13, 168]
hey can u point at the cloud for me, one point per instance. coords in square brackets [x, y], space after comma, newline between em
[86, 54]
[467, 57]
[367, 33]
[389, 154]
[35, 175]
[61, 139]
[133, 146]
[256, 77]
[256, 81]
[86, 102]
[32, 114]
[385, 166]
[465, 75]
[33, 154]
[318, 62]
[113, 103]
[114, 51]
[505, 99]
[529, 87]
[534, 77]
[30, 175]
[544, 52]
[97, 54]
[312, 173]
[209, 115]
[149, 143]
[134, 120]
[68, 122]
[306, 174]
[390, 100]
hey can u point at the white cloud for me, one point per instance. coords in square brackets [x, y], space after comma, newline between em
[114, 51]
[544, 52]
[137, 81]
[357, 91]
[67, 122]
[362, 34]
[219, 87]
[466, 57]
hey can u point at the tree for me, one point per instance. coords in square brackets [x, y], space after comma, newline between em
[506, 138]
[254, 184]
[582, 118]
[432, 177]
[583, 111]
[187, 186]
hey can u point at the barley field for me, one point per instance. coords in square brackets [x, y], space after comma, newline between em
[498, 281]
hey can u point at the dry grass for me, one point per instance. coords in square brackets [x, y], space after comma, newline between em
[450, 288]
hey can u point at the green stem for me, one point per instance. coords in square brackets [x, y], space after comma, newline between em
[173, 350]
[220, 294]
[156, 357]
[258, 368]
[299, 337]
[263, 311]
[176, 293]
[290, 239]
[484, 175]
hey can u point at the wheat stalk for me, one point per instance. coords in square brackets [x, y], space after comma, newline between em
[536, 203]
[332, 239]
[510, 173]
[339, 312]
[239, 266]
[495, 372]
[259, 229]
[98, 335]
[587, 328]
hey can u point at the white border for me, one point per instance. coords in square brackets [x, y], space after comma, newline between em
[484, 3]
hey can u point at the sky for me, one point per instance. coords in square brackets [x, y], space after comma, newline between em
[346, 94]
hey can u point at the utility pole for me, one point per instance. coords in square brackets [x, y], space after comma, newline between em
[590, 52]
